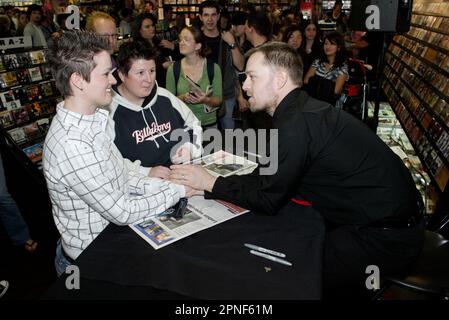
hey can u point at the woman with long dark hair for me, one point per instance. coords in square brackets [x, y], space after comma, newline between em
[144, 29]
[327, 75]
[311, 44]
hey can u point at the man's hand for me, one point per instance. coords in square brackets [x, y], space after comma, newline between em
[182, 155]
[190, 192]
[193, 176]
[159, 172]
[228, 37]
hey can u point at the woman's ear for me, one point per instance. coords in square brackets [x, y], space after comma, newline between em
[77, 81]
[121, 75]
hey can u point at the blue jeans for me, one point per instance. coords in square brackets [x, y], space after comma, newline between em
[10, 215]
[61, 263]
[226, 122]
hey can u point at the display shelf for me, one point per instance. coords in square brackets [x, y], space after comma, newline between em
[416, 83]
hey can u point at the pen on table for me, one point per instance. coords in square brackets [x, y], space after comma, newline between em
[252, 154]
[264, 250]
[267, 256]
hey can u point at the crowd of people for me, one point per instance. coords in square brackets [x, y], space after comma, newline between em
[108, 156]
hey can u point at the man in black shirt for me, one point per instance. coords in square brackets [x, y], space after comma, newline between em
[331, 160]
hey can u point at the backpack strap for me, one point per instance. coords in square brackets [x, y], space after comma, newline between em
[210, 70]
[176, 73]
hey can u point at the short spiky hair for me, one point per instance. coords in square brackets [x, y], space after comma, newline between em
[74, 53]
[280, 55]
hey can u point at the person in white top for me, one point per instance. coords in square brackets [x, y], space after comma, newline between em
[88, 181]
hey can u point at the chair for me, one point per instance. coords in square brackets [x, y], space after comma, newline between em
[430, 273]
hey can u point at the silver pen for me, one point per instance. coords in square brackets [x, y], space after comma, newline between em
[267, 256]
[264, 250]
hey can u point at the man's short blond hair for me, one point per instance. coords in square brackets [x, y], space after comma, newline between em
[90, 23]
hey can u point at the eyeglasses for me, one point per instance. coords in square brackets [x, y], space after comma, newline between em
[115, 35]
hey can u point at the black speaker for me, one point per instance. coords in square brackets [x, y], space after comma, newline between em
[381, 15]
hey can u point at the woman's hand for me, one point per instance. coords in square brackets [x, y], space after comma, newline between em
[182, 155]
[196, 97]
[159, 172]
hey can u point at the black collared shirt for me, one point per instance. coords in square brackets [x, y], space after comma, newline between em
[330, 159]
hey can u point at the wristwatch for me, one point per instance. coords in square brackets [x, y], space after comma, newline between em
[233, 45]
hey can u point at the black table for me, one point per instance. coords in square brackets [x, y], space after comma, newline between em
[211, 264]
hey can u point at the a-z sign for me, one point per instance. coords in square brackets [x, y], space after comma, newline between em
[381, 15]
[15, 42]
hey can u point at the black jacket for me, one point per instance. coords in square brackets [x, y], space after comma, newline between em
[330, 159]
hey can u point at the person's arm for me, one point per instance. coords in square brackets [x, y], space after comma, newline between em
[242, 102]
[97, 181]
[360, 44]
[309, 74]
[237, 56]
[192, 125]
[341, 79]
[340, 83]
[262, 193]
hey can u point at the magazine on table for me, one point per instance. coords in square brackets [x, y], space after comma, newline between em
[164, 228]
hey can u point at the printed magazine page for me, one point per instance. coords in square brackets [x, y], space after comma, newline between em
[225, 164]
[163, 229]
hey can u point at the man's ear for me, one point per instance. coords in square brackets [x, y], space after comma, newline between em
[77, 81]
[281, 78]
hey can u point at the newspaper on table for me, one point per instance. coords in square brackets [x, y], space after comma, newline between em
[162, 229]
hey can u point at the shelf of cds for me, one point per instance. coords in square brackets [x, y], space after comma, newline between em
[191, 7]
[416, 82]
[28, 98]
